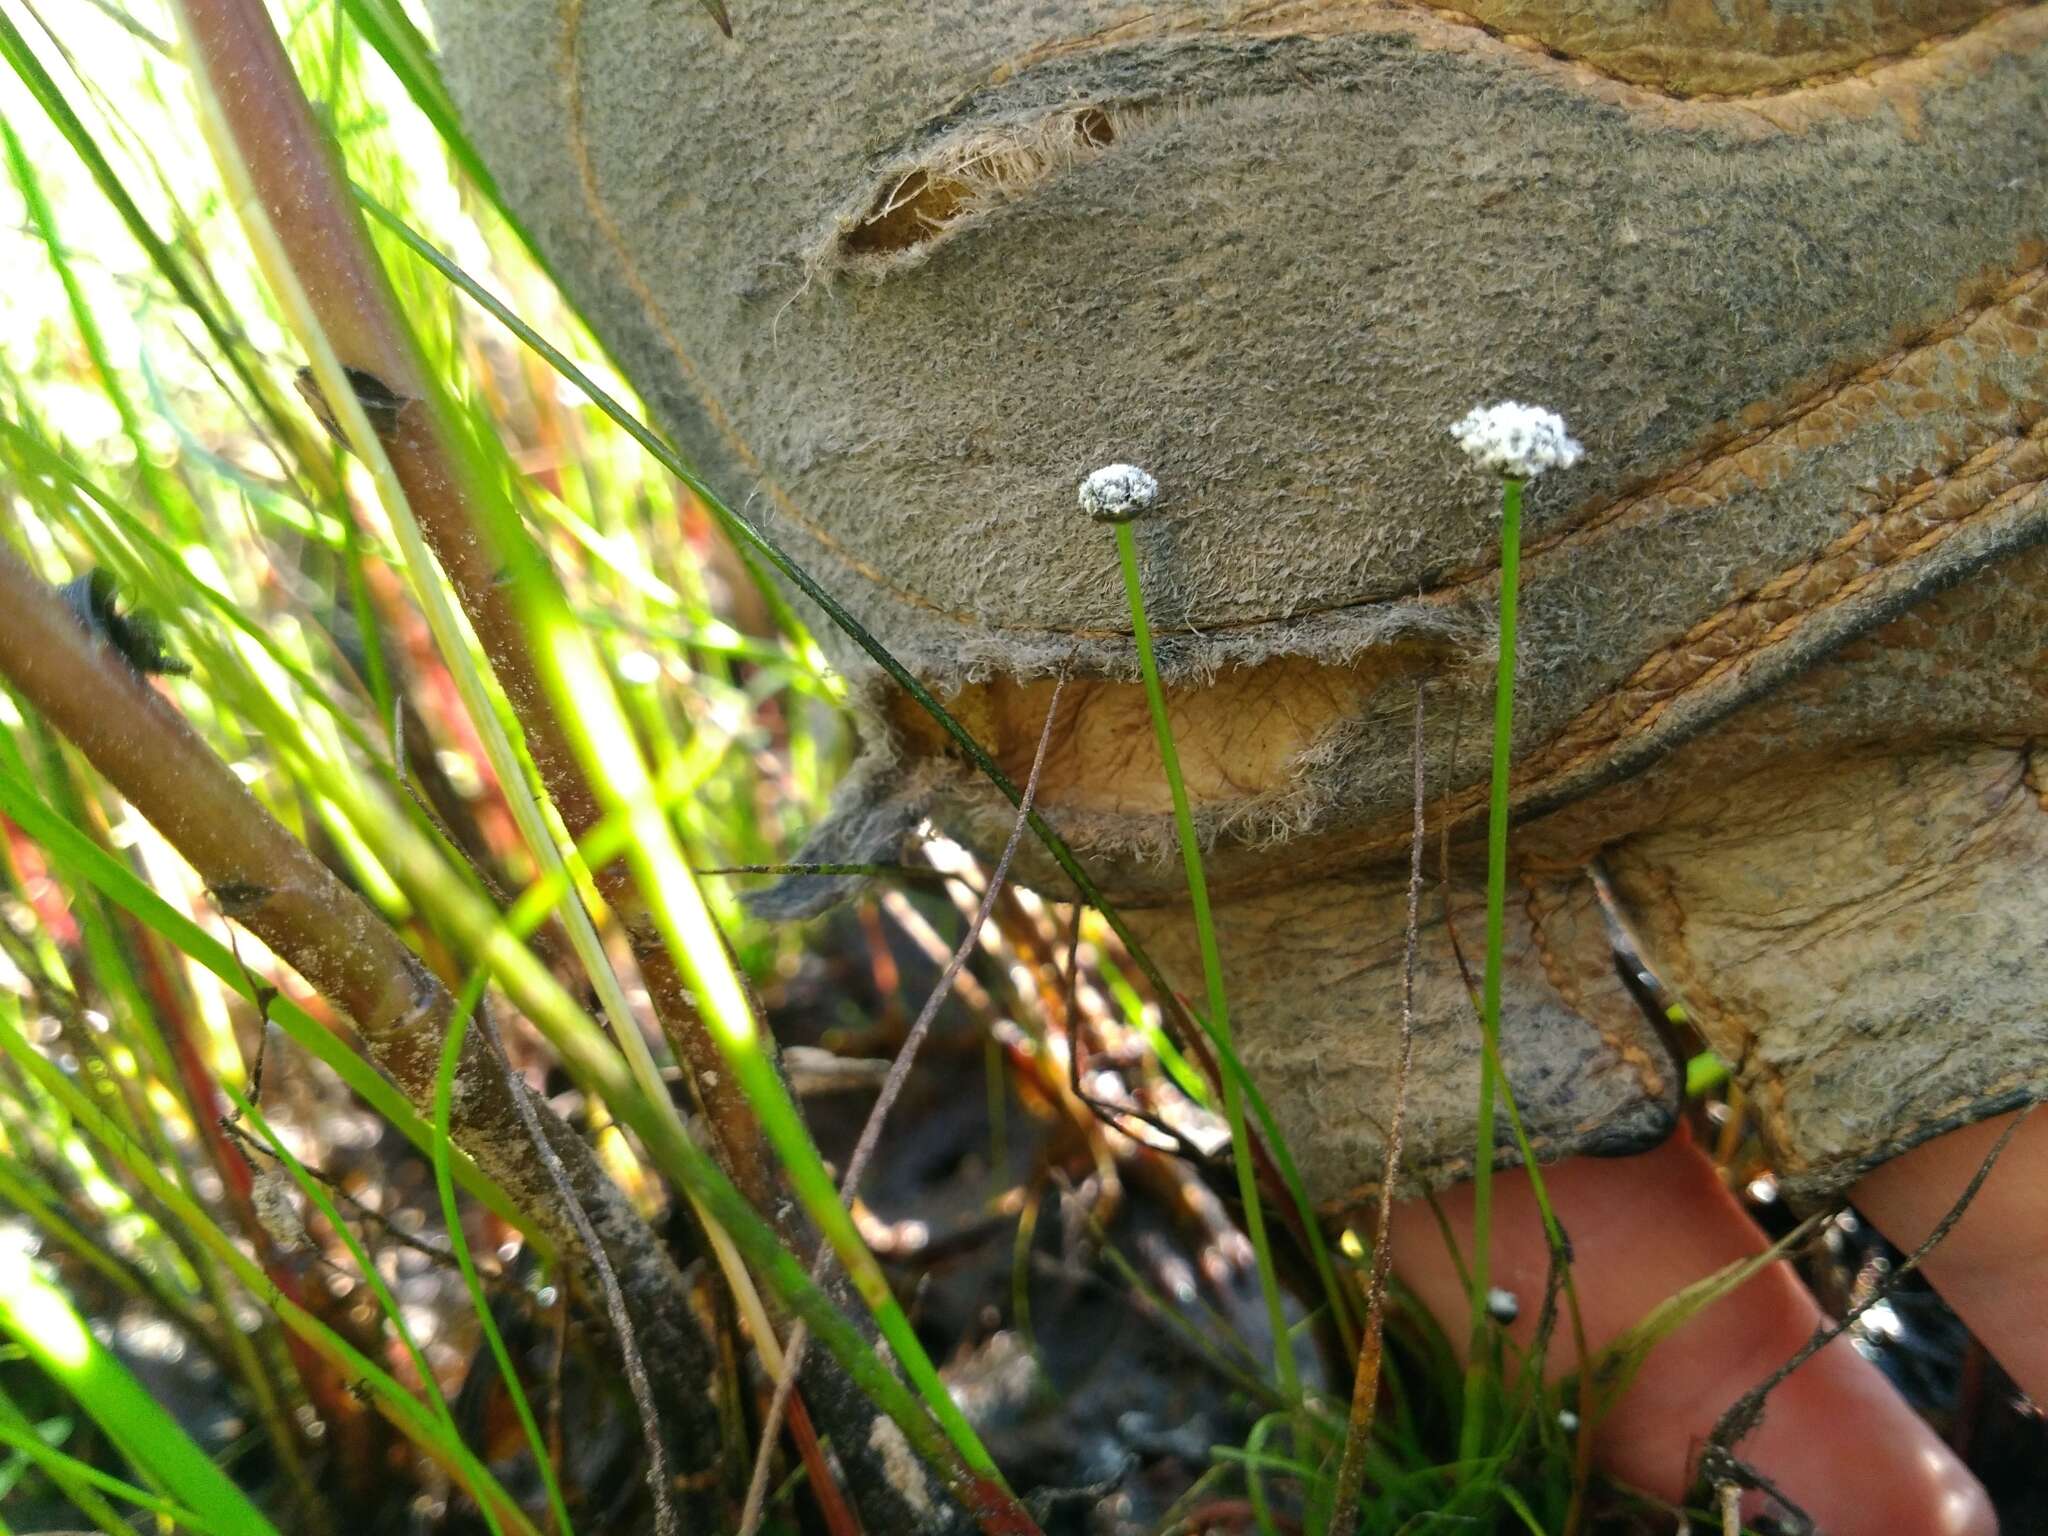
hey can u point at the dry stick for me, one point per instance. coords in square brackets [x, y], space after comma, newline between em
[1365, 1385]
[614, 1297]
[270, 883]
[880, 871]
[1718, 1463]
[871, 1132]
[1731, 1509]
[255, 1151]
[1107, 1114]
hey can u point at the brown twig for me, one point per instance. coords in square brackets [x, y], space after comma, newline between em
[1192, 1041]
[621, 1317]
[878, 1116]
[1106, 1113]
[881, 871]
[257, 1153]
[1365, 1384]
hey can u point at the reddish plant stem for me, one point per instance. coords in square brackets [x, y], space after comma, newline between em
[1365, 1385]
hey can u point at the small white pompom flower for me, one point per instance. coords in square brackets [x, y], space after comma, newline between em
[1517, 441]
[1116, 493]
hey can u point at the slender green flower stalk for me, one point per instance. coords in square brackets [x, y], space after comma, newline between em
[1116, 494]
[1496, 904]
[1517, 442]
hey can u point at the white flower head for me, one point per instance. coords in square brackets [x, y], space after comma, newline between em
[1517, 441]
[1116, 493]
[1503, 1305]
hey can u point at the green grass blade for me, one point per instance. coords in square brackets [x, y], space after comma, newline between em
[77, 1477]
[42, 1322]
[80, 1489]
[407, 1413]
[167, 495]
[385, 26]
[444, 1185]
[612, 758]
[28, 68]
[373, 1278]
[477, 929]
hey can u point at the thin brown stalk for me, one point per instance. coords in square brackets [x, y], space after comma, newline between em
[1730, 1500]
[1365, 1384]
[256, 1154]
[1718, 1463]
[878, 1116]
[1107, 1115]
[271, 884]
[1192, 1041]
[621, 1316]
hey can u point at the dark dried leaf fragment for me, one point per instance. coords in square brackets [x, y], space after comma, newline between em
[380, 402]
[137, 635]
[236, 897]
